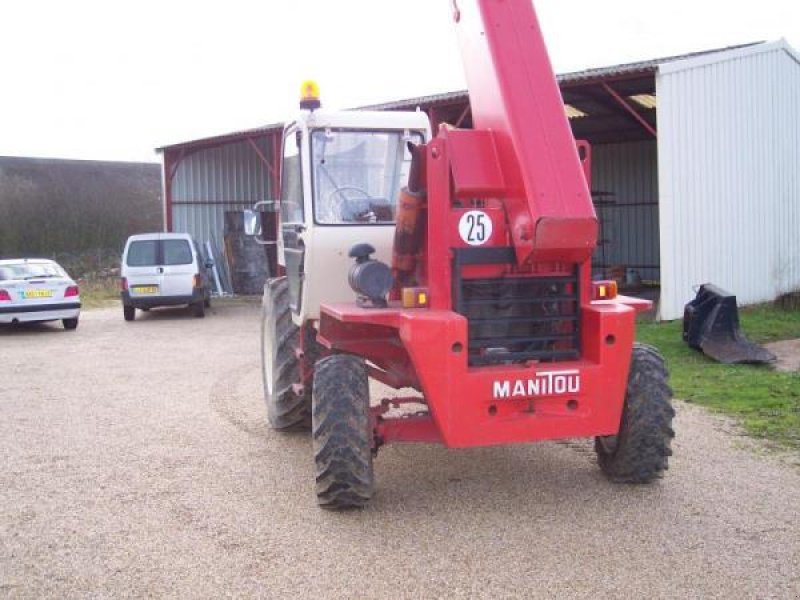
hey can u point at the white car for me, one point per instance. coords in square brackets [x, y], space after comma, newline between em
[33, 289]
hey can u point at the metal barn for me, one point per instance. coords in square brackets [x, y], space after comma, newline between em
[695, 170]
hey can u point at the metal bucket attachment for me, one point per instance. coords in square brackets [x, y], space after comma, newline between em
[711, 325]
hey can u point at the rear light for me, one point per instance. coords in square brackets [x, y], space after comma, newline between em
[415, 297]
[197, 282]
[72, 291]
[123, 284]
[604, 290]
[5, 296]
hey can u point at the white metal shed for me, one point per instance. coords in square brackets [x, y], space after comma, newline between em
[729, 174]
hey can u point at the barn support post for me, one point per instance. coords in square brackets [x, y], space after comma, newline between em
[168, 169]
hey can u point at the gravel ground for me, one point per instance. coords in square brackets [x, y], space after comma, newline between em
[137, 462]
[788, 354]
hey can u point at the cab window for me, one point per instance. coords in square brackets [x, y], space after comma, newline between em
[357, 175]
[291, 180]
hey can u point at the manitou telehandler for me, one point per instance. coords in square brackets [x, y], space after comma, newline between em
[458, 267]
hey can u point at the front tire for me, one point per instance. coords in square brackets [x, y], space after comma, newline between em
[640, 452]
[70, 324]
[341, 433]
[280, 367]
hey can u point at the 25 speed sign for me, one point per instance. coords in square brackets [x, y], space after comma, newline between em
[475, 227]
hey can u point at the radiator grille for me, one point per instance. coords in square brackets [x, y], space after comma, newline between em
[514, 319]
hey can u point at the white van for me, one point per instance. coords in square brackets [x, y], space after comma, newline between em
[164, 269]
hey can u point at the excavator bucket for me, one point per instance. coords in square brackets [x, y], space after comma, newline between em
[711, 325]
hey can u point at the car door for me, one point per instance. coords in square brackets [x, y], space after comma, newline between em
[142, 267]
[179, 265]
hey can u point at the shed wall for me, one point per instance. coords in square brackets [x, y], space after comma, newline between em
[625, 189]
[209, 182]
[729, 173]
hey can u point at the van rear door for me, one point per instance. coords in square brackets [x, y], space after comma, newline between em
[142, 268]
[180, 266]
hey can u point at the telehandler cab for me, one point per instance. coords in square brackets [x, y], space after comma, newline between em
[469, 258]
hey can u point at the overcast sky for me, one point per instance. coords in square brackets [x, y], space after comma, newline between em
[107, 79]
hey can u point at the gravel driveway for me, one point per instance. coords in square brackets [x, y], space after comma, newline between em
[136, 462]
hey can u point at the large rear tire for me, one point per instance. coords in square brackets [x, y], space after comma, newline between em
[129, 312]
[341, 433]
[280, 367]
[640, 452]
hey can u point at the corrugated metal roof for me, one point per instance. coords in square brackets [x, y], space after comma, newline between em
[225, 138]
[644, 66]
[565, 80]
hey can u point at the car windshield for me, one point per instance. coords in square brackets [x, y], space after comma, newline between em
[28, 270]
[358, 174]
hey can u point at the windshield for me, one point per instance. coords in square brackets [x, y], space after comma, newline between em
[357, 175]
[30, 271]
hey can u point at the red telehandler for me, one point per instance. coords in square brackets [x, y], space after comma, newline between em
[488, 310]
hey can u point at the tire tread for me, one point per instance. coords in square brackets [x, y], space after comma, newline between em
[646, 433]
[341, 433]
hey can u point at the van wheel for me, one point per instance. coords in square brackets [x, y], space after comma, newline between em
[207, 302]
[70, 324]
[199, 309]
[129, 313]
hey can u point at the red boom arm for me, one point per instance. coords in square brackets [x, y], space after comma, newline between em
[514, 94]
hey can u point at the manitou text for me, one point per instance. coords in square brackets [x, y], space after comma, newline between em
[549, 383]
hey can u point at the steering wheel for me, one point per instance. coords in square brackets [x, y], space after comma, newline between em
[338, 206]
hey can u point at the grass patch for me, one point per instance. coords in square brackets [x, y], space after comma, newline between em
[765, 401]
[99, 293]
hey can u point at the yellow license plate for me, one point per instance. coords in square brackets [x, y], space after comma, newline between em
[39, 294]
[145, 289]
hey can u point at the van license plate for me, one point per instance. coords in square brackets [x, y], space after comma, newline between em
[144, 290]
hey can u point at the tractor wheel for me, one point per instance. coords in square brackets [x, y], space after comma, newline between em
[341, 432]
[280, 366]
[639, 453]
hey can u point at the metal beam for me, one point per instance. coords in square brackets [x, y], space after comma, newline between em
[463, 115]
[621, 101]
[273, 171]
[276, 157]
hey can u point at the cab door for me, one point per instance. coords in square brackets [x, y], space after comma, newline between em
[291, 241]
